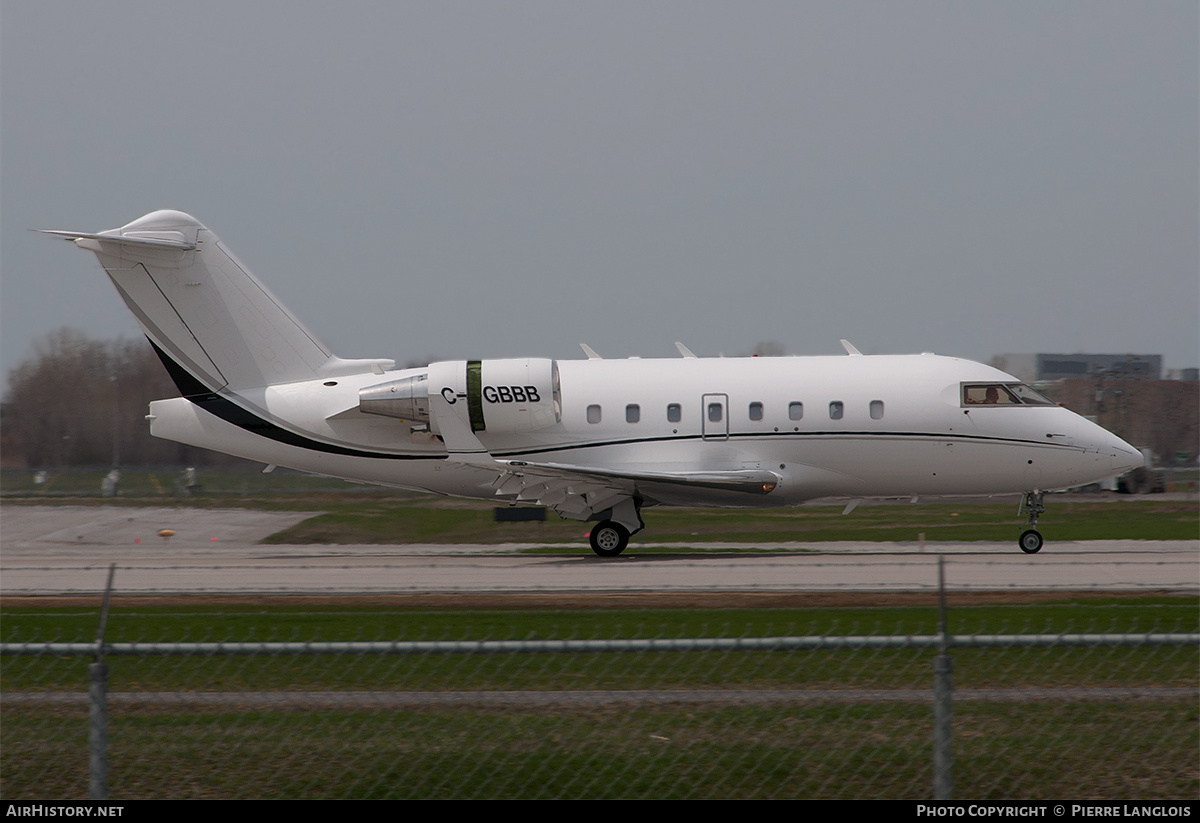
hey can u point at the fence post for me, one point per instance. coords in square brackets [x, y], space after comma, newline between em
[98, 731]
[943, 710]
[98, 705]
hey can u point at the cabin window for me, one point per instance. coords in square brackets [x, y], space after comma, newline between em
[876, 409]
[836, 410]
[674, 413]
[593, 413]
[795, 411]
[633, 413]
[756, 411]
[714, 412]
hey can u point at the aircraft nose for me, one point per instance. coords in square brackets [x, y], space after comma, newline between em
[1125, 457]
[1108, 448]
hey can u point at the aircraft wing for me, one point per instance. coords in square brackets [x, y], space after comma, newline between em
[581, 491]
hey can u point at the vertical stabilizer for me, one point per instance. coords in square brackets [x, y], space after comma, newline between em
[203, 309]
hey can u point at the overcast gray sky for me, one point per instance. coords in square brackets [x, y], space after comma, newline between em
[507, 179]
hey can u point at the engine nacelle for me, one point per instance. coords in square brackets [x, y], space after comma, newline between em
[406, 399]
[495, 396]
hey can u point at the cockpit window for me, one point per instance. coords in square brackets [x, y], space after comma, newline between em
[1001, 394]
[1028, 396]
[991, 394]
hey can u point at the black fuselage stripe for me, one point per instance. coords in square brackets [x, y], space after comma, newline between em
[833, 435]
[245, 419]
[225, 409]
[230, 412]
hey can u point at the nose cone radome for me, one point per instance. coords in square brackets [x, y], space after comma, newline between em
[1125, 457]
[1111, 454]
[1121, 456]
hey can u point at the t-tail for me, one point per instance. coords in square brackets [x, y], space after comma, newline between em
[215, 326]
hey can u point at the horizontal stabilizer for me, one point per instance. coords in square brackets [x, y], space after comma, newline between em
[157, 240]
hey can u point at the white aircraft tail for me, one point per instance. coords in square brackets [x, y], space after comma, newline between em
[213, 323]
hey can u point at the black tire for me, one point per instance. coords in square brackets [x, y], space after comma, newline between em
[608, 538]
[1030, 542]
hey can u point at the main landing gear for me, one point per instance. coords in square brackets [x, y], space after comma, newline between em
[1031, 538]
[610, 537]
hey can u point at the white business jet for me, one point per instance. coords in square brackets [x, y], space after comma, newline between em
[592, 439]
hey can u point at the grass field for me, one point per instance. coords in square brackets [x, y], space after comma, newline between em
[345, 622]
[351, 619]
[1003, 751]
[861, 745]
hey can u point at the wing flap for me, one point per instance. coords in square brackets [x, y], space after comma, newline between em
[750, 481]
[580, 492]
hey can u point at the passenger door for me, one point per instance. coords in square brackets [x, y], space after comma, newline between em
[714, 418]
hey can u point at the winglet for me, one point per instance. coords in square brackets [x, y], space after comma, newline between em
[849, 347]
[685, 351]
[590, 352]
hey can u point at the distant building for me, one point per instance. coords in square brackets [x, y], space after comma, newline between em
[1039, 368]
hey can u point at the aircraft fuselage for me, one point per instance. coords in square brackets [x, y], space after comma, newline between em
[593, 439]
[888, 425]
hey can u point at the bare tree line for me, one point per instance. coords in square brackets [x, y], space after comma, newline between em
[83, 402]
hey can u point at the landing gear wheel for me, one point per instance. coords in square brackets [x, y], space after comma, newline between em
[609, 538]
[1033, 503]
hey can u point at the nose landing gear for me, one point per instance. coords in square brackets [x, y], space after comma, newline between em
[1031, 539]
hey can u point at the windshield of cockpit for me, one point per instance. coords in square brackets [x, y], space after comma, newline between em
[1001, 394]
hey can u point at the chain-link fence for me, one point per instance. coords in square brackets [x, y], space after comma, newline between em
[738, 715]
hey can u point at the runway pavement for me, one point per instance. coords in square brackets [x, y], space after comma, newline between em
[67, 550]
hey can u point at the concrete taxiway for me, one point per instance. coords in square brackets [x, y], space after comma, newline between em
[67, 550]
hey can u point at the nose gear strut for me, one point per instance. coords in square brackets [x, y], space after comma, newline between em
[1031, 539]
